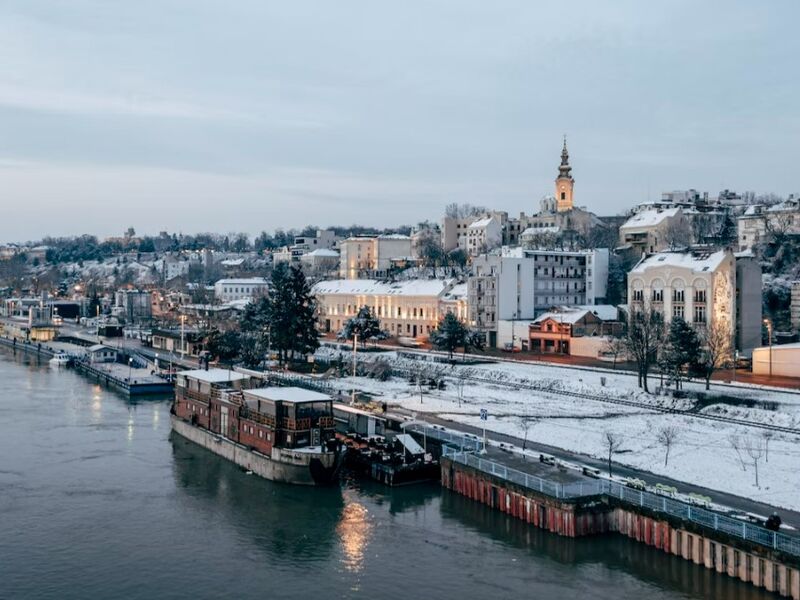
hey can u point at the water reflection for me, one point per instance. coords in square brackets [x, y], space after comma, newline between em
[285, 522]
[354, 532]
[621, 554]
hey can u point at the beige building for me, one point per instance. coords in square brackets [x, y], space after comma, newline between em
[758, 220]
[405, 308]
[372, 256]
[701, 288]
[654, 230]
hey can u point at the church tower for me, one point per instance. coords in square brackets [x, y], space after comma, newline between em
[564, 182]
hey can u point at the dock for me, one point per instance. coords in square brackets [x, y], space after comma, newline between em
[130, 381]
[545, 493]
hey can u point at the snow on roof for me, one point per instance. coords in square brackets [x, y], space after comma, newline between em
[481, 223]
[650, 218]
[698, 262]
[99, 348]
[457, 292]
[245, 281]
[604, 312]
[214, 375]
[287, 394]
[323, 252]
[539, 230]
[394, 236]
[571, 316]
[411, 287]
[232, 262]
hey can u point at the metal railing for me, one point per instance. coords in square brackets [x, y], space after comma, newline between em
[455, 439]
[655, 502]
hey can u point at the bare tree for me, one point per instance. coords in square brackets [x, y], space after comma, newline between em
[612, 444]
[767, 435]
[667, 436]
[736, 444]
[755, 450]
[678, 233]
[615, 346]
[526, 423]
[462, 375]
[645, 333]
[716, 349]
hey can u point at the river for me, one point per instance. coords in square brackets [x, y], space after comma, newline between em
[99, 500]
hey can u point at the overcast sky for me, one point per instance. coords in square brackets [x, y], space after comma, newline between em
[220, 115]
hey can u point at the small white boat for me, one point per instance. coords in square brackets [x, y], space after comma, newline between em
[61, 359]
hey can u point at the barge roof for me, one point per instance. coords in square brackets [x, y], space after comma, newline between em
[288, 394]
[214, 375]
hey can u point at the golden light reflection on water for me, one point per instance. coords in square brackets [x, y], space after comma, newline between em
[354, 531]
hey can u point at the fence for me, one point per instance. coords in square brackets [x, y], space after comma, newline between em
[655, 502]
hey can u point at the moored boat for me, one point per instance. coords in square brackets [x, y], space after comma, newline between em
[279, 433]
[62, 359]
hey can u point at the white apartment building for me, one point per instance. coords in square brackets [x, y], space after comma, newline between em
[758, 220]
[521, 284]
[482, 235]
[649, 231]
[405, 308]
[228, 290]
[372, 256]
[703, 288]
[321, 260]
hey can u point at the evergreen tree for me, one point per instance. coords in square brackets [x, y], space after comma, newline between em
[304, 337]
[365, 325]
[451, 334]
[680, 350]
[279, 311]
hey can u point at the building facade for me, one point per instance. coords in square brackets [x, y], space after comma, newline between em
[371, 256]
[758, 220]
[701, 288]
[521, 284]
[653, 230]
[228, 290]
[405, 309]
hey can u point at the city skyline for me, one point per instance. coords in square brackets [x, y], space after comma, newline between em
[219, 119]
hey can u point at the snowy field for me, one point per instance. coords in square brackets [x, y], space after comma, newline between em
[708, 453]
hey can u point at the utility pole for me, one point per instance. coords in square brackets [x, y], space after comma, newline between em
[183, 336]
[355, 346]
[768, 323]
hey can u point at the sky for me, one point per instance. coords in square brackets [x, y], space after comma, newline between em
[213, 115]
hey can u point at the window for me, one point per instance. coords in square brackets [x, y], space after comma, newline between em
[699, 314]
[700, 296]
[563, 196]
[638, 295]
[677, 295]
[677, 310]
[658, 295]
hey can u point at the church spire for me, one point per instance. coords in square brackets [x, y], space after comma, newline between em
[564, 182]
[564, 169]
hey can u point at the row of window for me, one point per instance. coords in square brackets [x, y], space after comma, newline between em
[677, 296]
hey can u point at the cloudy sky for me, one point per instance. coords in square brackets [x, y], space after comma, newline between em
[220, 115]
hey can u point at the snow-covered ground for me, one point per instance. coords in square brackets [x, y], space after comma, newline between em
[703, 453]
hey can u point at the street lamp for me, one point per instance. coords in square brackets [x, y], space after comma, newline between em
[355, 346]
[768, 324]
[157, 369]
[183, 336]
[130, 368]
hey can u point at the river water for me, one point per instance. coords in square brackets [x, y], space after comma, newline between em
[98, 500]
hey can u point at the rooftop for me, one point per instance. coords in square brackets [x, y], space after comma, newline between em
[651, 218]
[244, 281]
[287, 394]
[214, 375]
[412, 287]
[698, 262]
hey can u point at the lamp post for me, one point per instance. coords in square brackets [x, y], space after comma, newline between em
[130, 368]
[183, 336]
[768, 323]
[157, 370]
[355, 346]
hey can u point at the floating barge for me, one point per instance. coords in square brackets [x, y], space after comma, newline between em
[282, 434]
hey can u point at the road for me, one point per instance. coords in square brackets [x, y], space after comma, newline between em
[736, 502]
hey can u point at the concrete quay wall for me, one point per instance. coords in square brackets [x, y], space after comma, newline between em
[596, 515]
